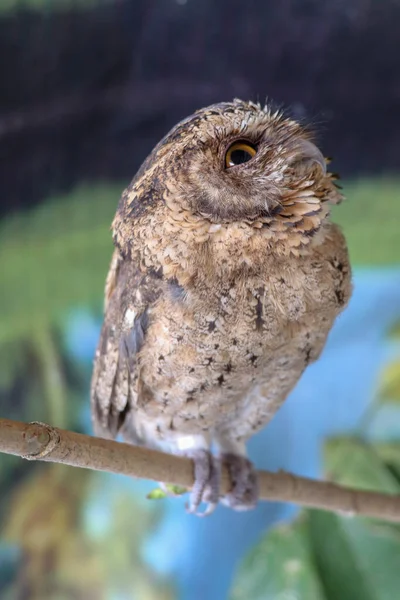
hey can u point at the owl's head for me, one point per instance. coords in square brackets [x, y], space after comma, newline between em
[236, 163]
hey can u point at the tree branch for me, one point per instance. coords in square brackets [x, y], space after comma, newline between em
[38, 441]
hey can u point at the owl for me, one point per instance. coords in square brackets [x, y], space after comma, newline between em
[226, 278]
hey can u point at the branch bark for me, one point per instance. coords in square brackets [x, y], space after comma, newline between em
[38, 441]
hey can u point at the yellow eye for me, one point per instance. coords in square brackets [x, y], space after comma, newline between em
[239, 153]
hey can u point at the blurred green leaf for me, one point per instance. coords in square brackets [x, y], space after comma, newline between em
[357, 557]
[332, 557]
[13, 362]
[389, 391]
[394, 332]
[354, 561]
[54, 259]
[177, 490]
[159, 494]
[352, 462]
[280, 567]
[390, 454]
[359, 214]
[341, 575]
[156, 494]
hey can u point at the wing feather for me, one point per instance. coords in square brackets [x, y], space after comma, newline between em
[129, 295]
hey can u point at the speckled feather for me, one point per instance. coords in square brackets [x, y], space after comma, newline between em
[224, 283]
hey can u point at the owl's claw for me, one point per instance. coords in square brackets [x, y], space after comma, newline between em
[244, 493]
[207, 475]
[206, 482]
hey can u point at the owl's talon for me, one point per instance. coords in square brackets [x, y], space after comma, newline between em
[206, 482]
[244, 493]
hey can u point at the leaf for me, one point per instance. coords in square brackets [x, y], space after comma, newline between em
[176, 490]
[280, 567]
[354, 561]
[394, 332]
[13, 362]
[390, 454]
[158, 493]
[389, 390]
[356, 557]
[54, 259]
[355, 463]
[359, 214]
[341, 558]
[352, 462]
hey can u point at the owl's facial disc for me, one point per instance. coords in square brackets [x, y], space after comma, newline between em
[248, 162]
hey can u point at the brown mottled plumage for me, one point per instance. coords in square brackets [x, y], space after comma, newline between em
[223, 287]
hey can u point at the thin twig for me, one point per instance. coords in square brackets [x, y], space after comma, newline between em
[38, 441]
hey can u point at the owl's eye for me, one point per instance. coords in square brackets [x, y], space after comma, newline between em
[239, 153]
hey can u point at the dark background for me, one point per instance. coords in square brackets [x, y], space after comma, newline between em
[86, 93]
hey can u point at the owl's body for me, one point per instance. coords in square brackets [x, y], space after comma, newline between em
[224, 284]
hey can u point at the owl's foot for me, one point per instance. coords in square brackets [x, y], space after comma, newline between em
[244, 492]
[206, 482]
